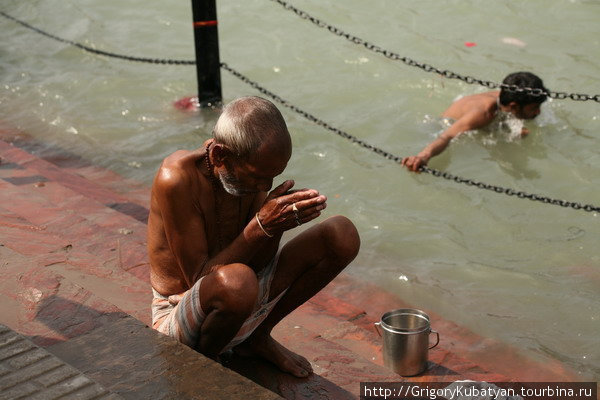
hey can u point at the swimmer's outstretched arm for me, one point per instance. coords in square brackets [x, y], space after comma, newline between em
[471, 120]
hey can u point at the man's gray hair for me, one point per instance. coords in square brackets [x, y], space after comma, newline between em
[248, 122]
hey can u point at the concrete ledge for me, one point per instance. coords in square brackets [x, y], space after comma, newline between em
[28, 371]
[136, 362]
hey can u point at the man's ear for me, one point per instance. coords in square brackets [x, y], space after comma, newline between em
[220, 154]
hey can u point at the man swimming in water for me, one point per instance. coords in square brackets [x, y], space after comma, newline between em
[220, 278]
[479, 110]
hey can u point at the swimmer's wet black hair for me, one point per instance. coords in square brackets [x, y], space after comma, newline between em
[526, 80]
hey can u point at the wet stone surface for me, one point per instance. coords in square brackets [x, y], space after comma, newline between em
[136, 362]
[28, 371]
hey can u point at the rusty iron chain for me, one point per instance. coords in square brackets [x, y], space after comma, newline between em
[397, 159]
[430, 68]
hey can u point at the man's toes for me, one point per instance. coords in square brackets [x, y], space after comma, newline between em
[300, 372]
[304, 363]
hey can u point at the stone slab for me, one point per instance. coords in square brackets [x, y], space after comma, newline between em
[31, 372]
[136, 362]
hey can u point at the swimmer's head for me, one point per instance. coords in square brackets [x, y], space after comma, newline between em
[524, 105]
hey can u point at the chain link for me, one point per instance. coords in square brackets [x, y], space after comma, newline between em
[96, 51]
[429, 68]
[397, 159]
[345, 135]
[511, 192]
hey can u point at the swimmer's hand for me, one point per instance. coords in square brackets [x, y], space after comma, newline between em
[413, 163]
[278, 213]
[524, 132]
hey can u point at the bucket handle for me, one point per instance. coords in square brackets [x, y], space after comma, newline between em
[377, 330]
[376, 324]
[438, 338]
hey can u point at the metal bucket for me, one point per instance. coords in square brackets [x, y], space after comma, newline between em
[406, 340]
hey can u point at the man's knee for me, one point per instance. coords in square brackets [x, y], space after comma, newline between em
[234, 289]
[341, 237]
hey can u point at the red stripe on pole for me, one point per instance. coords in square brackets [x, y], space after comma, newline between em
[204, 23]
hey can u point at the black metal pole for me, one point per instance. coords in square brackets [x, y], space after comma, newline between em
[208, 64]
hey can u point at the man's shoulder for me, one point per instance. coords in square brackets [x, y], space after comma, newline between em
[484, 99]
[176, 169]
[484, 103]
[176, 159]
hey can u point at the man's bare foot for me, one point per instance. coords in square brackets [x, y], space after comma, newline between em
[270, 349]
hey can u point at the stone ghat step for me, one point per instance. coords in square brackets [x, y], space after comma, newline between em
[72, 280]
[57, 309]
[133, 191]
[86, 233]
[80, 212]
[74, 223]
[136, 362]
[51, 195]
[353, 329]
[25, 168]
[483, 354]
[28, 371]
[105, 344]
[338, 371]
[56, 312]
[46, 306]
